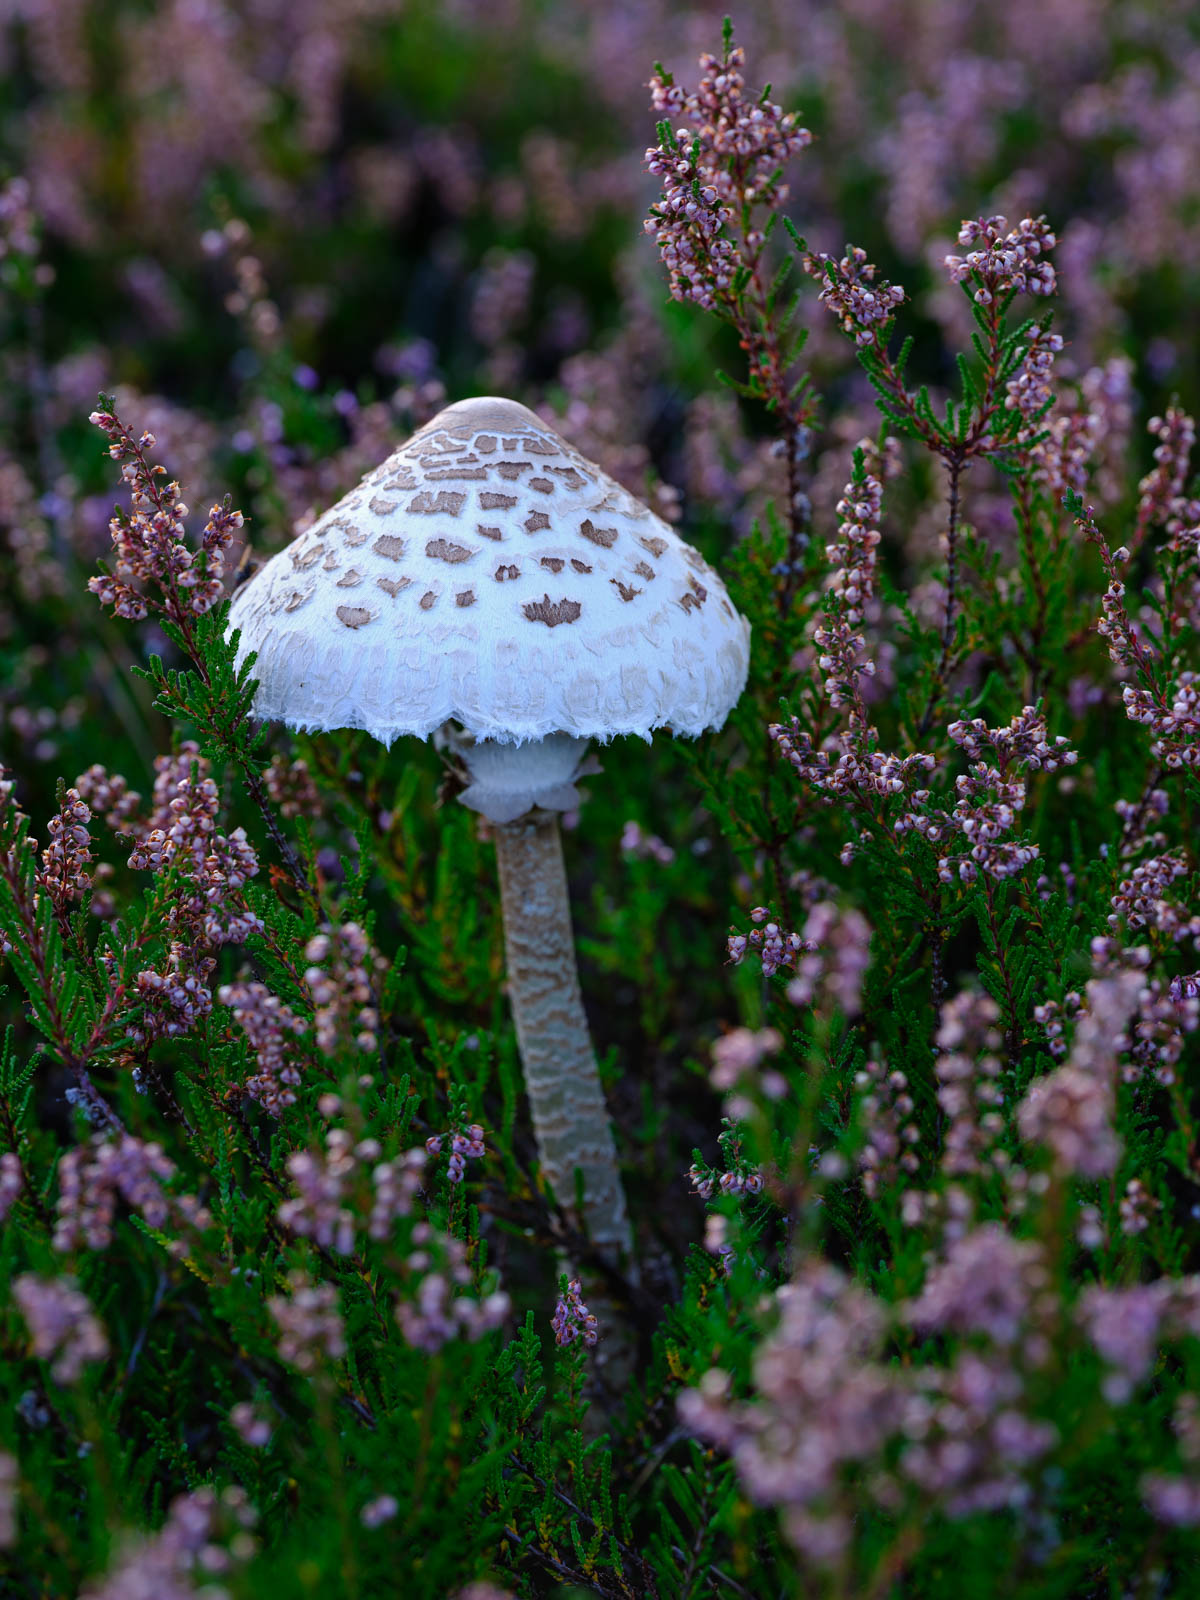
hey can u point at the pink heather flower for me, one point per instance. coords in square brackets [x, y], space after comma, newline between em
[989, 798]
[836, 952]
[726, 155]
[1071, 1110]
[465, 1145]
[253, 1430]
[824, 1403]
[851, 590]
[109, 795]
[93, 1176]
[1029, 390]
[12, 1181]
[309, 1322]
[739, 1052]
[339, 977]
[1161, 491]
[572, 1320]
[291, 787]
[62, 1326]
[151, 558]
[986, 1284]
[439, 1314]
[864, 306]
[378, 1511]
[1124, 1326]
[64, 873]
[270, 1026]
[968, 1070]
[636, 843]
[887, 1112]
[192, 1543]
[1137, 1207]
[1014, 261]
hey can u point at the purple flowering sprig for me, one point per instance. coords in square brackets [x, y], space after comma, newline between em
[722, 166]
[1166, 703]
[156, 572]
[1004, 398]
[738, 1176]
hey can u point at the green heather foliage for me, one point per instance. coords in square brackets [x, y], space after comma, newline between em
[893, 979]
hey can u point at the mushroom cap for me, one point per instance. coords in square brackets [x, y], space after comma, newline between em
[488, 574]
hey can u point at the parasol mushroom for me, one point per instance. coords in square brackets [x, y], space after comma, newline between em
[487, 575]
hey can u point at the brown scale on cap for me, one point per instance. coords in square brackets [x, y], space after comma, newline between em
[389, 546]
[351, 579]
[552, 612]
[536, 521]
[464, 598]
[604, 537]
[353, 616]
[443, 550]
[448, 502]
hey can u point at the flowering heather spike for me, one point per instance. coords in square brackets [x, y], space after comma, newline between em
[866, 308]
[205, 1534]
[986, 1284]
[94, 1175]
[310, 1324]
[151, 558]
[291, 787]
[438, 1314]
[1160, 493]
[989, 798]
[343, 994]
[270, 1026]
[851, 590]
[1005, 262]
[61, 1324]
[1071, 1110]
[12, 1181]
[109, 795]
[725, 161]
[572, 1320]
[65, 859]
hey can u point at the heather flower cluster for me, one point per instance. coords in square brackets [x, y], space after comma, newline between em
[340, 978]
[1005, 263]
[572, 1320]
[271, 1027]
[989, 799]
[153, 568]
[722, 160]
[464, 1146]
[436, 1310]
[118, 1166]
[62, 1326]
[863, 303]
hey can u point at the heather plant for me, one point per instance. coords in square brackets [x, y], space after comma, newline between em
[894, 982]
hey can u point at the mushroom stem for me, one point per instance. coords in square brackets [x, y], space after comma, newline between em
[570, 1117]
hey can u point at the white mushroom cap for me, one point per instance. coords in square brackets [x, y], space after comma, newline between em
[488, 574]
